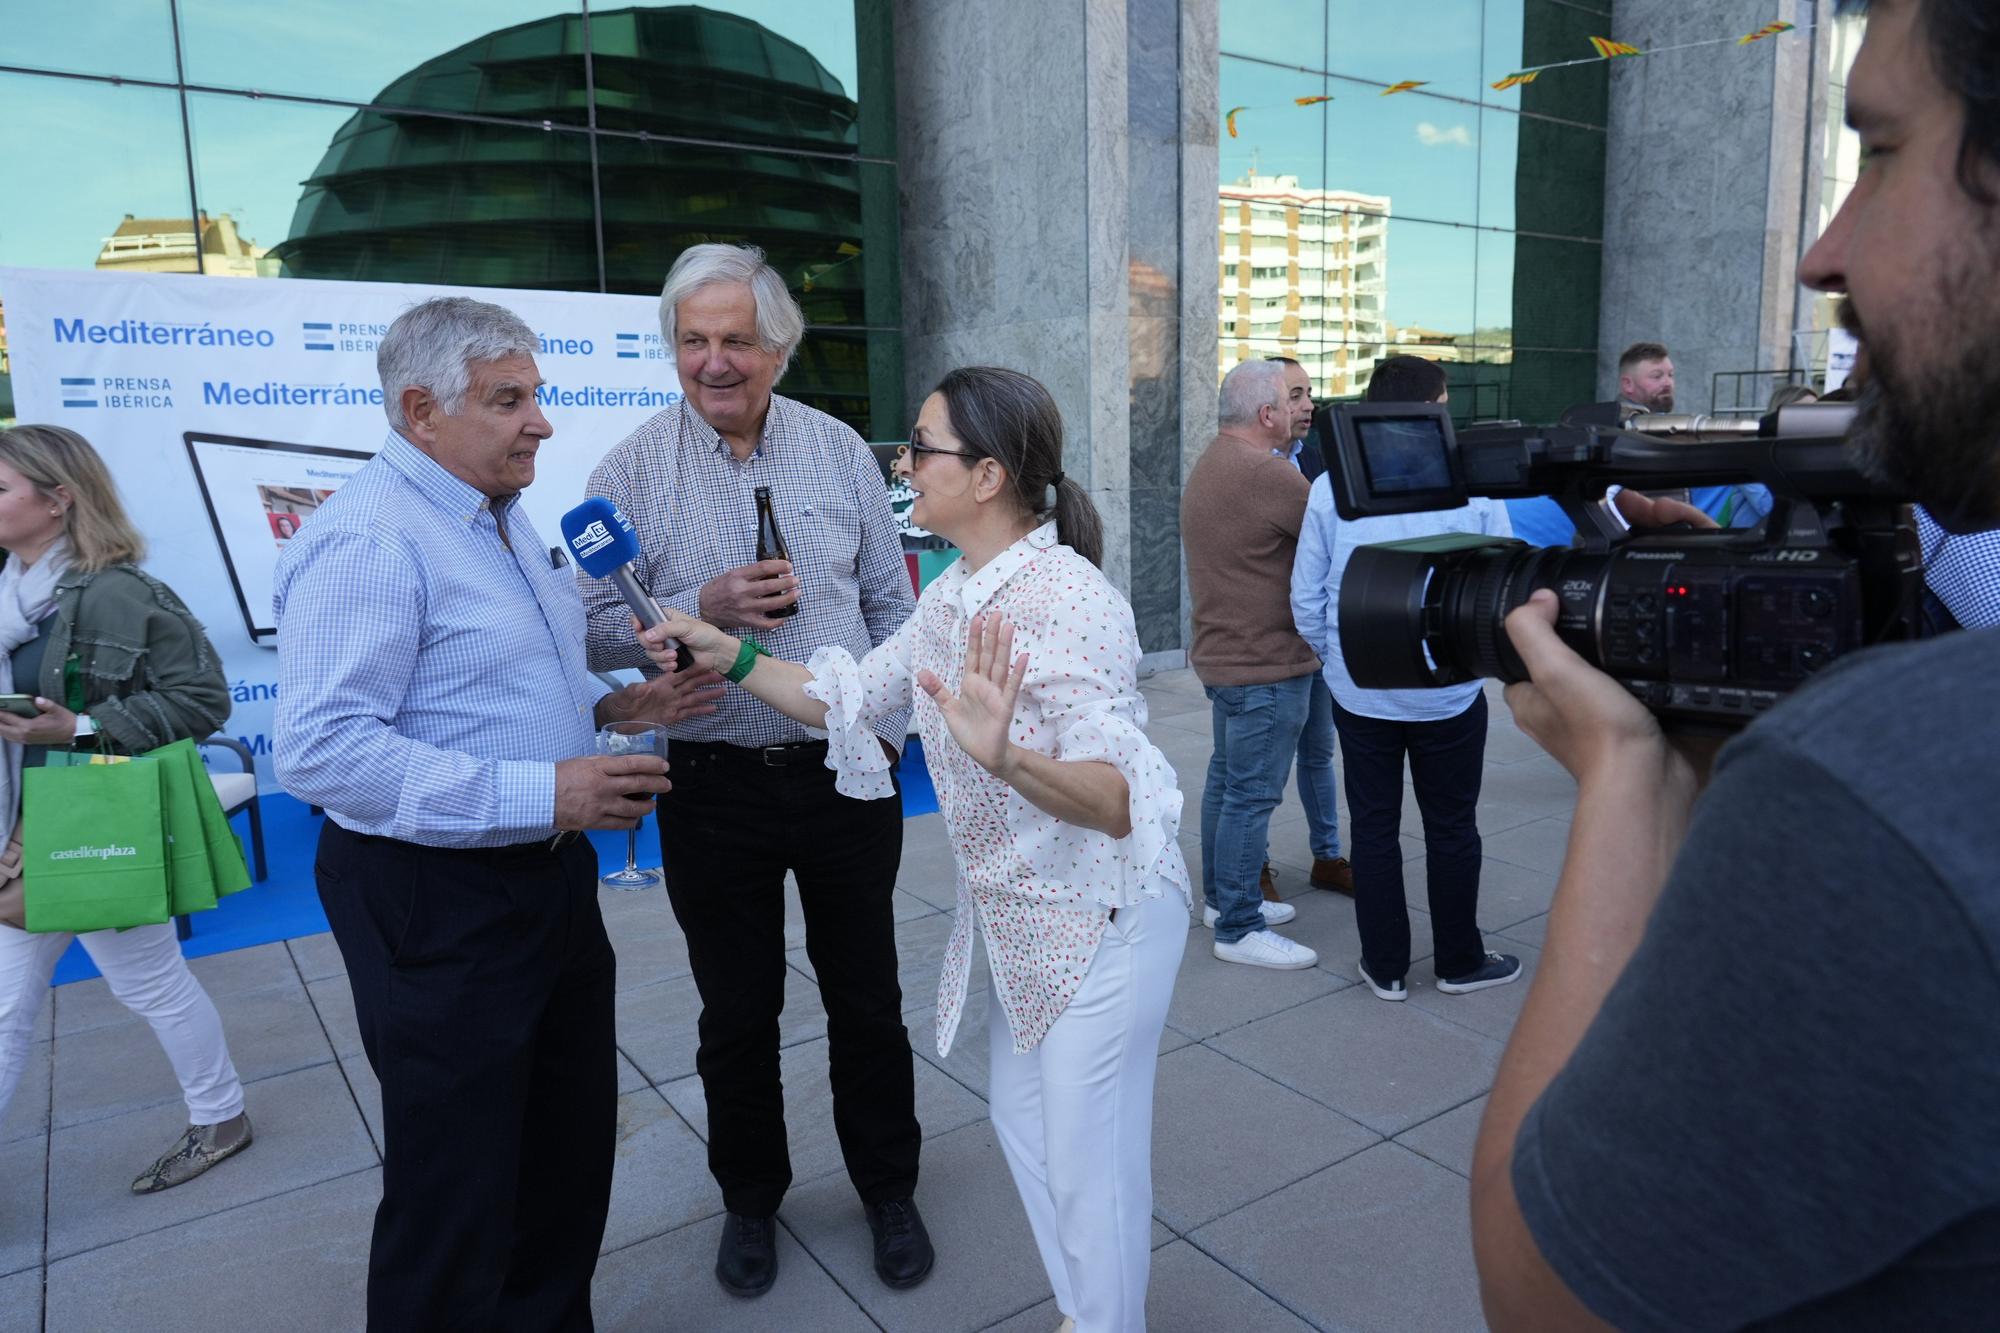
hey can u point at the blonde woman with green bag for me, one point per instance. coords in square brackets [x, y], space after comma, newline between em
[81, 625]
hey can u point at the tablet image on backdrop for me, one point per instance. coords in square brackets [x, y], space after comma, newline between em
[259, 494]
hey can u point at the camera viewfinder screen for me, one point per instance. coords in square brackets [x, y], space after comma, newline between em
[1404, 455]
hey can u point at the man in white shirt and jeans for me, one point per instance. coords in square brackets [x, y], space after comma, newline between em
[1442, 731]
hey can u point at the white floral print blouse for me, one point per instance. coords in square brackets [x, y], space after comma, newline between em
[1041, 890]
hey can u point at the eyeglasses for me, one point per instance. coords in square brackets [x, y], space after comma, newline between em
[916, 451]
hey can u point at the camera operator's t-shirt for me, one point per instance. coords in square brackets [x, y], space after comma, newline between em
[1787, 1114]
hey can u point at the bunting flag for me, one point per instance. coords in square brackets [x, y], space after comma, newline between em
[1605, 48]
[1768, 30]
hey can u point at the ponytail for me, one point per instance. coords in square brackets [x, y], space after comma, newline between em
[1078, 524]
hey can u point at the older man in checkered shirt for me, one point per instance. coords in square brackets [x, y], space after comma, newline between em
[753, 796]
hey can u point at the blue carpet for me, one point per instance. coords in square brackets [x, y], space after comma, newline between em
[286, 906]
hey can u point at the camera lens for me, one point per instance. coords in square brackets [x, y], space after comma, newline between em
[1431, 612]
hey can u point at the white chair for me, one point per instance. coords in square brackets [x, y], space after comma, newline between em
[238, 791]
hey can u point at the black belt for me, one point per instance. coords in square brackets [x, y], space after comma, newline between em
[768, 756]
[546, 846]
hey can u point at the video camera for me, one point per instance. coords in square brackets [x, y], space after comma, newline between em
[1706, 628]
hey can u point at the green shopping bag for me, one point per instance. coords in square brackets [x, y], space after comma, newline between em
[231, 872]
[94, 847]
[207, 860]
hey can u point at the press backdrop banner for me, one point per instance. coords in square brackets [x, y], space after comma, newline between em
[276, 381]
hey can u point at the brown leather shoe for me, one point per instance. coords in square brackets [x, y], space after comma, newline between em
[1335, 875]
[1267, 881]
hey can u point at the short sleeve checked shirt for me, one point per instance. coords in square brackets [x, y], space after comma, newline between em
[693, 504]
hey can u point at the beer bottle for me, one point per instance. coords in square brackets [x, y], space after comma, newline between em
[771, 542]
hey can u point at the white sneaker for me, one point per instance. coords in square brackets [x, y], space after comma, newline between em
[1275, 914]
[1266, 948]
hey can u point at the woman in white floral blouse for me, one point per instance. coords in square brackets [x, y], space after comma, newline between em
[1063, 815]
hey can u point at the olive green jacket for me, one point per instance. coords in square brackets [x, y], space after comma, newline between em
[125, 650]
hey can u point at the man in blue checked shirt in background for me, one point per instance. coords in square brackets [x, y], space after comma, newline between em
[754, 795]
[433, 698]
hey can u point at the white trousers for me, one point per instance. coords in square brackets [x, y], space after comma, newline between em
[1075, 1119]
[147, 974]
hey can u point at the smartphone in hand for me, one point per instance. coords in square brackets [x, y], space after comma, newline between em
[20, 705]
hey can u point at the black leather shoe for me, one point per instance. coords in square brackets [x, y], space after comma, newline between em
[903, 1254]
[746, 1263]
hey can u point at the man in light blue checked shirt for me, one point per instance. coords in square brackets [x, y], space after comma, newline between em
[433, 698]
[754, 795]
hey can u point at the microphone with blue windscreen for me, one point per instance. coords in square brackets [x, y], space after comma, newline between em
[604, 543]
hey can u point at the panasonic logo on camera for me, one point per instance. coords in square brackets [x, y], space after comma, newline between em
[92, 853]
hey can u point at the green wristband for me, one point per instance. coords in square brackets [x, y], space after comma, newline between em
[746, 658]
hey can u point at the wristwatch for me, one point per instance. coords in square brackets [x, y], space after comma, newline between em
[84, 726]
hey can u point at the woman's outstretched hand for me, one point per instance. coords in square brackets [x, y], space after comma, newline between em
[981, 714]
[707, 645]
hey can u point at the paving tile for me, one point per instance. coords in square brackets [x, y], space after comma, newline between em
[317, 956]
[660, 1180]
[21, 1302]
[1202, 1169]
[942, 1106]
[668, 1283]
[1538, 846]
[257, 968]
[1534, 931]
[1448, 1139]
[657, 1024]
[308, 1130]
[108, 1071]
[1490, 1012]
[920, 945]
[1212, 996]
[1325, 923]
[1389, 1066]
[1390, 1236]
[987, 1267]
[45, 1021]
[23, 1204]
[28, 1112]
[1507, 892]
[929, 870]
[83, 1005]
[298, 1261]
[645, 936]
[333, 1001]
[367, 1094]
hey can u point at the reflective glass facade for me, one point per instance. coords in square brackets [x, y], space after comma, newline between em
[554, 144]
[1449, 221]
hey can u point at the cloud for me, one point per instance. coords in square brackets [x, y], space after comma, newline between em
[1430, 136]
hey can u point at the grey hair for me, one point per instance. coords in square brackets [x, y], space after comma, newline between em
[433, 346]
[780, 322]
[1248, 386]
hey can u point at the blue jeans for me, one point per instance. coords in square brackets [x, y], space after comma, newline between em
[1317, 790]
[1256, 734]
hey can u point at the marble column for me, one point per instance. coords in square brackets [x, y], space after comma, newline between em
[1708, 178]
[1045, 150]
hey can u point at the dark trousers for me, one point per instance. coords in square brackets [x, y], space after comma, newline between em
[730, 829]
[1447, 759]
[483, 985]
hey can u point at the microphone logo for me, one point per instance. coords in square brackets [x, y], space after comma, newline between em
[591, 540]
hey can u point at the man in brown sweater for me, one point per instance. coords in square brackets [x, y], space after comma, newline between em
[1240, 515]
